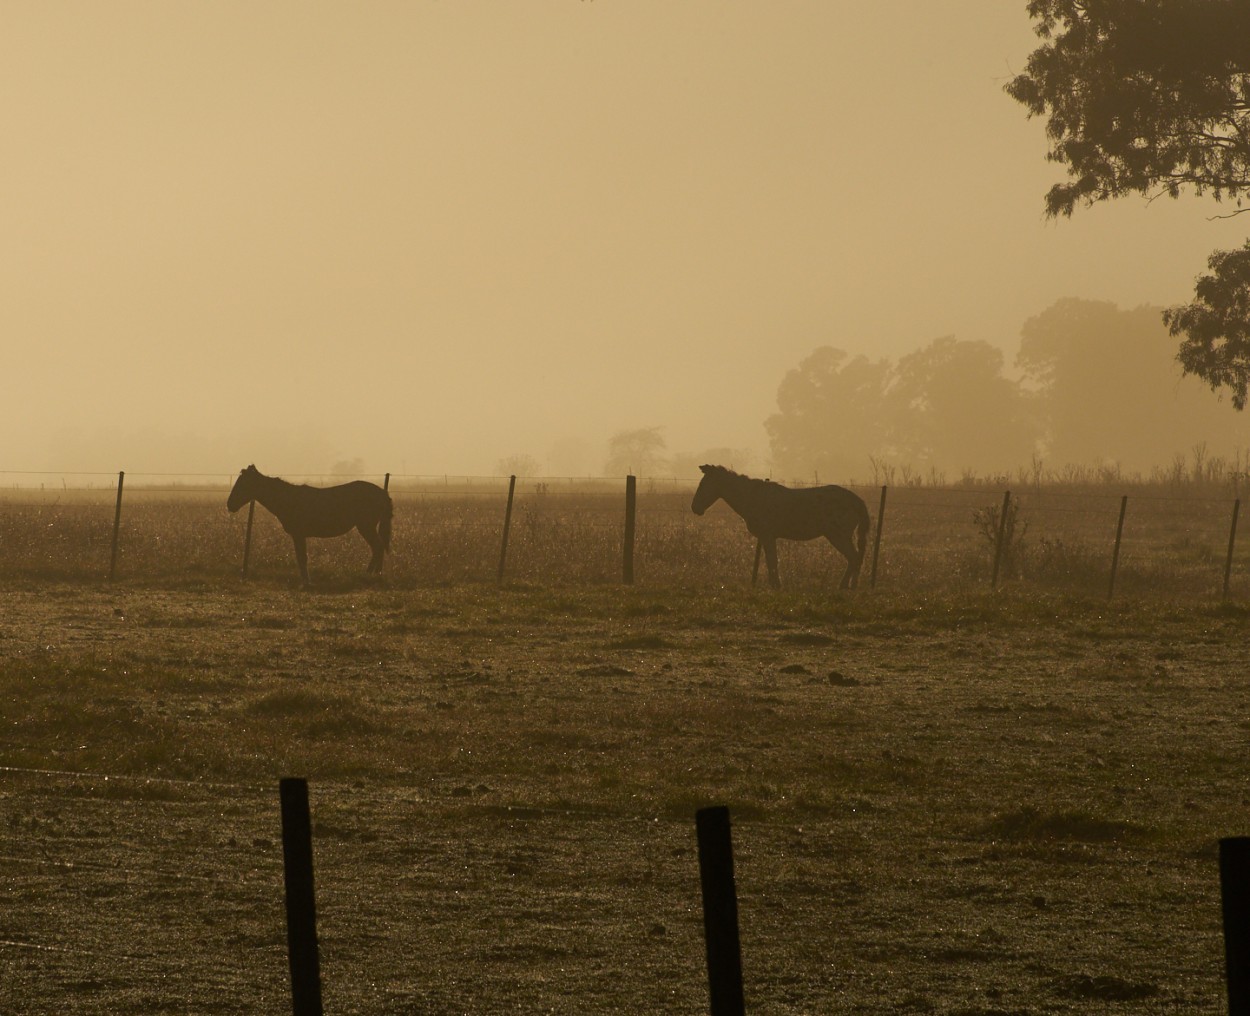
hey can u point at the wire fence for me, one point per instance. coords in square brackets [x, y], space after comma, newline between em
[75, 527]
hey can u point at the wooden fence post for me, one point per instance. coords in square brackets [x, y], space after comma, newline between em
[386, 483]
[247, 539]
[507, 525]
[720, 911]
[117, 522]
[1232, 540]
[1115, 554]
[999, 539]
[1235, 904]
[301, 912]
[876, 540]
[631, 507]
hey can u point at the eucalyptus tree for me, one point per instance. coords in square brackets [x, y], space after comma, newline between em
[1152, 97]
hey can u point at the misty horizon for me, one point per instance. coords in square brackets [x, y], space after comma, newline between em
[436, 238]
[164, 453]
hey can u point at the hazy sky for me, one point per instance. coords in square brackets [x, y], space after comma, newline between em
[433, 234]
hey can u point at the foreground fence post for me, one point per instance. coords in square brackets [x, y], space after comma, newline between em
[720, 911]
[631, 508]
[1000, 538]
[876, 540]
[1115, 554]
[386, 482]
[1235, 904]
[301, 912]
[507, 525]
[117, 524]
[1232, 540]
[247, 539]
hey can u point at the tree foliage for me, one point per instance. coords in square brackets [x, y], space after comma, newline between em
[951, 406]
[945, 406]
[1147, 96]
[1153, 97]
[1099, 386]
[640, 452]
[830, 415]
[1216, 325]
[1108, 387]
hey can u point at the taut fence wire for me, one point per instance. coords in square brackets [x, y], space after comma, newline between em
[570, 530]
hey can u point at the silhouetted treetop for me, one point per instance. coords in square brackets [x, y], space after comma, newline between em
[1148, 96]
[1216, 325]
[1153, 97]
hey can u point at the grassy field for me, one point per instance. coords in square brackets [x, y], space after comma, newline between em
[932, 541]
[944, 800]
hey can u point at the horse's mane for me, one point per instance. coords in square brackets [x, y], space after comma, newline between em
[277, 480]
[734, 477]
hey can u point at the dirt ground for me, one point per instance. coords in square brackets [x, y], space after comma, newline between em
[973, 805]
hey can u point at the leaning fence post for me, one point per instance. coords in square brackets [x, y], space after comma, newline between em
[876, 540]
[720, 911]
[301, 912]
[247, 539]
[631, 501]
[1232, 539]
[117, 523]
[507, 525]
[999, 538]
[1235, 904]
[1115, 554]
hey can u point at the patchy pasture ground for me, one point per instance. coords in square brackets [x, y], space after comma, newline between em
[942, 804]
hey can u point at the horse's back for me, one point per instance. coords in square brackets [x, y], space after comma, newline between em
[332, 511]
[805, 513]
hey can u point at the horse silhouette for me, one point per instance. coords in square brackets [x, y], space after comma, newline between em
[306, 511]
[773, 511]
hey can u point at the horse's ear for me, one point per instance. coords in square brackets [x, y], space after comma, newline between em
[705, 469]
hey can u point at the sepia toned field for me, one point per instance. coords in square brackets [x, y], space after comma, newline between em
[1174, 540]
[945, 799]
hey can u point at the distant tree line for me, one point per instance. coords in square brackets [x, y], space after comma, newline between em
[1093, 384]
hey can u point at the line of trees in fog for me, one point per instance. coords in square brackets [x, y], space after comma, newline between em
[1094, 385]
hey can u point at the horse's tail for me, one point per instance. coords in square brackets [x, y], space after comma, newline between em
[384, 523]
[861, 535]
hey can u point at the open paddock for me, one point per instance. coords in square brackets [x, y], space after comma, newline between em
[571, 532]
[967, 803]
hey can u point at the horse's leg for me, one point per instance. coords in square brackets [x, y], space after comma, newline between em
[845, 546]
[770, 555]
[301, 556]
[369, 530]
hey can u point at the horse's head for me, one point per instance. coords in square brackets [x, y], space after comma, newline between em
[243, 490]
[709, 489]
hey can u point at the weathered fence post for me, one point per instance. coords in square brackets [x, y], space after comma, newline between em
[301, 911]
[1115, 554]
[386, 483]
[247, 539]
[117, 524]
[631, 507]
[1232, 540]
[876, 540]
[507, 525]
[720, 911]
[1235, 904]
[1000, 538]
